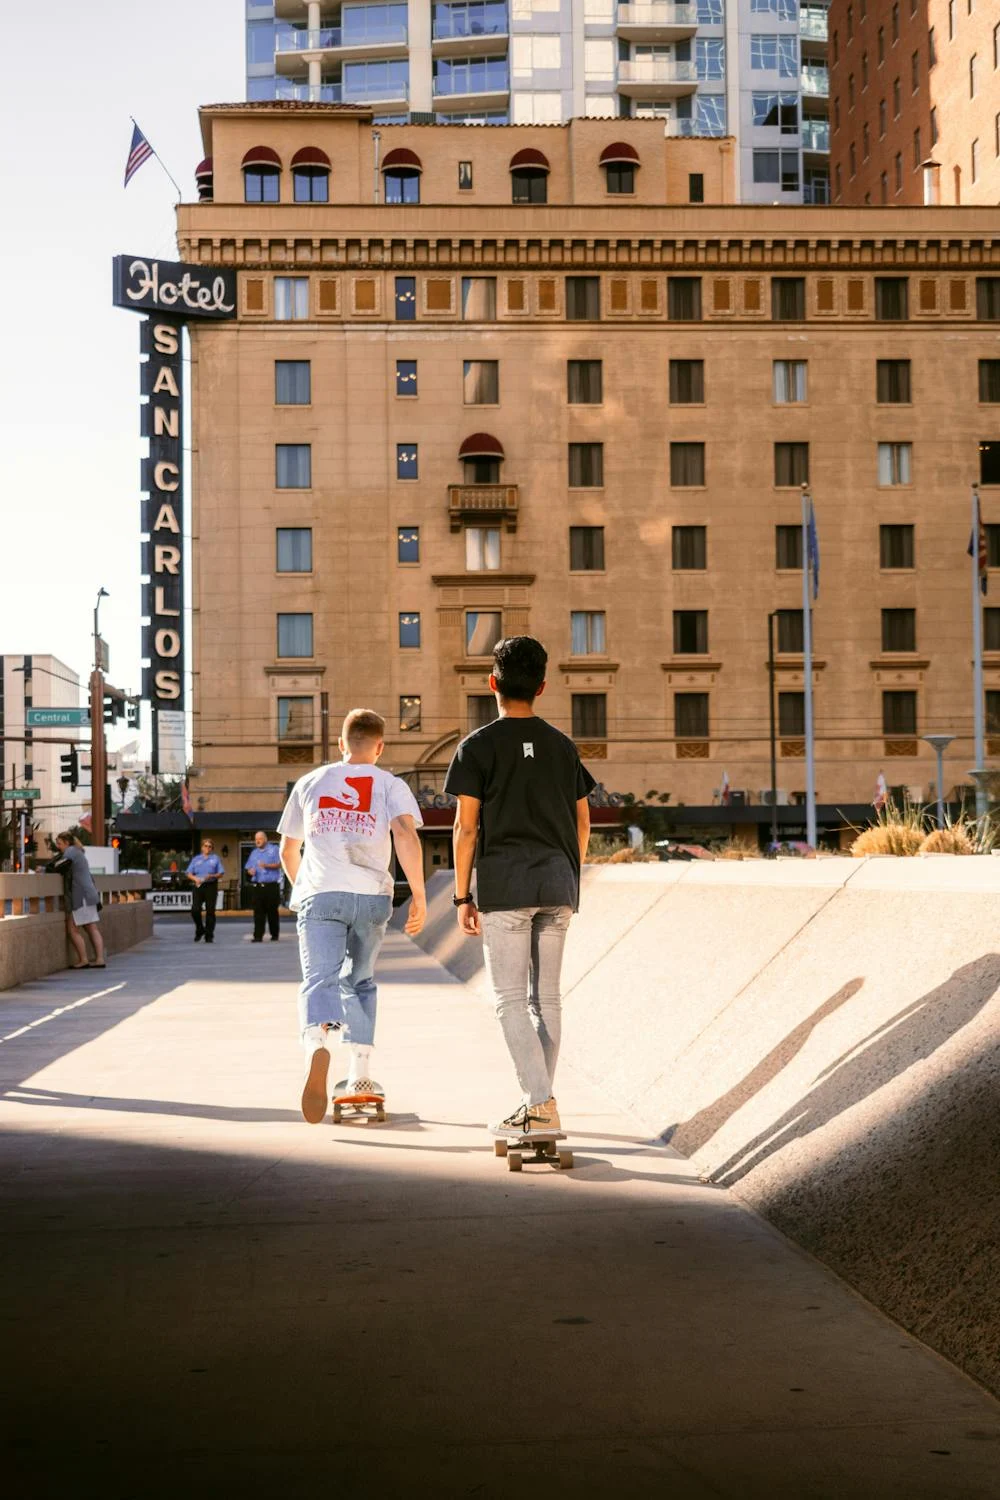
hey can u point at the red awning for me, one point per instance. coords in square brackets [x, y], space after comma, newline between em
[481, 445]
[261, 156]
[529, 157]
[402, 157]
[311, 156]
[203, 169]
[619, 151]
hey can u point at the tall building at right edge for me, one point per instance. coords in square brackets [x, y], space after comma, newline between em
[752, 70]
[915, 101]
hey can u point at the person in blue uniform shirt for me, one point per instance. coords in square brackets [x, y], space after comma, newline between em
[203, 872]
[266, 879]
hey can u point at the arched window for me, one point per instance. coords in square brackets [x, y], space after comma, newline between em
[401, 174]
[311, 175]
[529, 176]
[620, 161]
[481, 455]
[261, 175]
[203, 178]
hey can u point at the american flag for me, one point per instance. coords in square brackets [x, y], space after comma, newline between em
[978, 549]
[186, 801]
[881, 798]
[139, 152]
[725, 793]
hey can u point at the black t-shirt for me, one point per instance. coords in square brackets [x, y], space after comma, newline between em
[528, 778]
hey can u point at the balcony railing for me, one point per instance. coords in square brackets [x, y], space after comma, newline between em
[459, 26]
[815, 135]
[681, 127]
[816, 81]
[465, 82]
[664, 15]
[308, 93]
[389, 34]
[478, 500]
[308, 41]
[657, 70]
[813, 25]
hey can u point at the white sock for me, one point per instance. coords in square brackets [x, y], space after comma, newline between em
[360, 1063]
[313, 1037]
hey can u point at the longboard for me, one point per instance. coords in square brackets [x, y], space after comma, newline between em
[359, 1106]
[539, 1147]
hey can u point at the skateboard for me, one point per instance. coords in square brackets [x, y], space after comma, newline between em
[538, 1147]
[366, 1107]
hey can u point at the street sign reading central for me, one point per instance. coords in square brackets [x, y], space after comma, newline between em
[56, 718]
[22, 794]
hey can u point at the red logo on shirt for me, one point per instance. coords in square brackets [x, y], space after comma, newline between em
[356, 798]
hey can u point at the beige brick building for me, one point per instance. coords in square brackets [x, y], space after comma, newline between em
[586, 418]
[913, 81]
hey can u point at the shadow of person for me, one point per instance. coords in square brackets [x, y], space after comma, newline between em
[885, 1054]
[691, 1135]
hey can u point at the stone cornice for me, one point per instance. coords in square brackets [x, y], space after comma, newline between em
[487, 578]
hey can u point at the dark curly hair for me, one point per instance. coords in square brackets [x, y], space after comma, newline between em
[519, 664]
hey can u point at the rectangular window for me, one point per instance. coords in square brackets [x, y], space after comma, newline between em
[892, 381]
[790, 381]
[406, 299]
[620, 178]
[992, 711]
[696, 187]
[583, 298]
[991, 629]
[409, 631]
[464, 176]
[479, 299]
[896, 548]
[292, 383]
[687, 464]
[483, 628]
[406, 377]
[776, 111]
[989, 380]
[899, 713]
[295, 635]
[989, 462]
[791, 715]
[408, 544]
[294, 549]
[791, 464]
[482, 549]
[590, 716]
[481, 382]
[406, 461]
[690, 632]
[292, 466]
[788, 547]
[586, 549]
[291, 298]
[409, 714]
[691, 716]
[894, 463]
[585, 383]
[788, 298]
[993, 546]
[689, 548]
[899, 630]
[482, 710]
[295, 720]
[587, 632]
[988, 299]
[586, 465]
[791, 632]
[772, 52]
[891, 301]
[687, 382]
[684, 299]
[778, 167]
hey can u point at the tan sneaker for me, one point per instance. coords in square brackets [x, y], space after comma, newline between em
[527, 1122]
[547, 1115]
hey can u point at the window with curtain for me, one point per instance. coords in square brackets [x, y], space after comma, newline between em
[791, 632]
[261, 184]
[409, 630]
[586, 465]
[891, 299]
[989, 380]
[583, 298]
[295, 719]
[292, 382]
[790, 380]
[483, 628]
[294, 549]
[479, 299]
[585, 382]
[586, 549]
[408, 544]
[791, 715]
[406, 377]
[689, 548]
[481, 382]
[687, 464]
[481, 709]
[899, 630]
[788, 548]
[406, 299]
[295, 635]
[892, 381]
[899, 713]
[402, 185]
[691, 716]
[292, 466]
[788, 298]
[590, 716]
[687, 382]
[690, 632]
[587, 632]
[409, 714]
[482, 549]
[896, 549]
[791, 464]
[291, 298]
[684, 299]
[406, 461]
[894, 463]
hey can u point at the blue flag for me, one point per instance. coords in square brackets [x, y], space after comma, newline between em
[812, 543]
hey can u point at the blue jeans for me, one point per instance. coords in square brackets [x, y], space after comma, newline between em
[340, 934]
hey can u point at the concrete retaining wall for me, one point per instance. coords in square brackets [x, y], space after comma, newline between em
[823, 1037]
[33, 939]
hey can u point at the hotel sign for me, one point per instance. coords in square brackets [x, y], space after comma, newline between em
[170, 293]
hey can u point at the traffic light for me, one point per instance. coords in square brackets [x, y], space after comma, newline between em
[132, 713]
[69, 773]
[114, 705]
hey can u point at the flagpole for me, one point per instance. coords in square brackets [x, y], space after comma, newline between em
[808, 673]
[159, 158]
[982, 801]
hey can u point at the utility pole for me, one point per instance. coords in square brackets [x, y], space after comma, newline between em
[98, 752]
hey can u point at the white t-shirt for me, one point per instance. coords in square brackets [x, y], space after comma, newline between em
[342, 813]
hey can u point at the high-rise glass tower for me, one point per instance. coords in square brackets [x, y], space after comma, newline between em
[752, 69]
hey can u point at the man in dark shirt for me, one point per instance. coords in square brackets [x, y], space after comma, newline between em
[524, 821]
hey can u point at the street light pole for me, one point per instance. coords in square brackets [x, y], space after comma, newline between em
[774, 737]
[98, 753]
[939, 744]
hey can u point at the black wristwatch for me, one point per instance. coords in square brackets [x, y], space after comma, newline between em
[463, 900]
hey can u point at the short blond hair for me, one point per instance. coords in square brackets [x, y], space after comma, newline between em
[362, 727]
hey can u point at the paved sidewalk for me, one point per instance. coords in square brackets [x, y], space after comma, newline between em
[203, 1296]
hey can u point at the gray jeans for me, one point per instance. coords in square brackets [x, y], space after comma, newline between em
[524, 950]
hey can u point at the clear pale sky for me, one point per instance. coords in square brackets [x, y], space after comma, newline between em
[69, 398]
